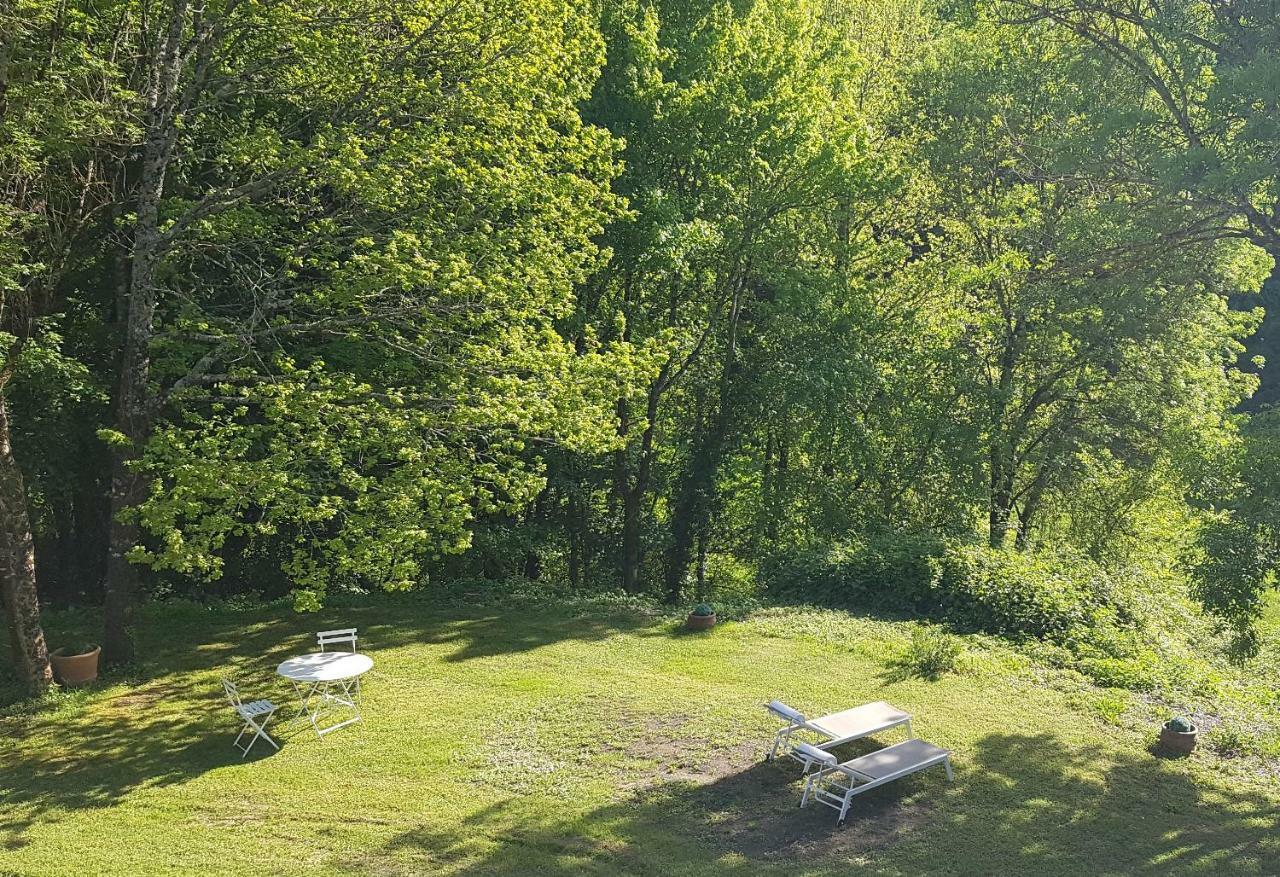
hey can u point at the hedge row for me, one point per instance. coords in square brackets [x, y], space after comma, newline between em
[1057, 598]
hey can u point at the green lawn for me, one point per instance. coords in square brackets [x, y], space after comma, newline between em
[521, 742]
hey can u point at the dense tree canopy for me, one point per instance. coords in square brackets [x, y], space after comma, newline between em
[306, 296]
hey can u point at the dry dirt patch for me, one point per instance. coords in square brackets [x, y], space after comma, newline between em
[741, 804]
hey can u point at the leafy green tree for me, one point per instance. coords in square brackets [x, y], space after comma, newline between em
[1237, 557]
[60, 124]
[748, 172]
[1087, 336]
[1199, 122]
[353, 229]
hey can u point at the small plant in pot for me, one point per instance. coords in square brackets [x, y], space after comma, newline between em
[75, 666]
[1179, 735]
[701, 618]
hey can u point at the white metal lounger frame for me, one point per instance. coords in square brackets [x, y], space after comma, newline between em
[823, 787]
[797, 722]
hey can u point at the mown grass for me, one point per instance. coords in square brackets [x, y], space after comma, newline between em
[531, 741]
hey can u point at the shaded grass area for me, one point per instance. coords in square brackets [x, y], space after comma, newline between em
[521, 741]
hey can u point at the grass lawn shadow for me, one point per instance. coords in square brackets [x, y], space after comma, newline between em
[1021, 804]
[131, 742]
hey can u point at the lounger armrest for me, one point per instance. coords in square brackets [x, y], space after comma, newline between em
[816, 755]
[784, 712]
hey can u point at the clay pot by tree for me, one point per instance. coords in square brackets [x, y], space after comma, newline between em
[75, 669]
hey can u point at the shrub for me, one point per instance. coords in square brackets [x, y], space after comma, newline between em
[894, 572]
[1110, 705]
[1180, 724]
[727, 576]
[1140, 672]
[702, 610]
[1229, 741]
[1055, 597]
[932, 653]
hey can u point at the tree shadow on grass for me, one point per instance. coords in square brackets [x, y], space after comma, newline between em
[163, 733]
[504, 632]
[174, 724]
[1021, 804]
[736, 823]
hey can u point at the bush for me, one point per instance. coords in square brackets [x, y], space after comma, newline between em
[727, 576]
[1018, 594]
[1053, 597]
[893, 572]
[932, 653]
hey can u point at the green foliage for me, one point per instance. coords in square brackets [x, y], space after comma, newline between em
[1181, 724]
[703, 610]
[424, 250]
[894, 572]
[1237, 558]
[1018, 594]
[589, 291]
[995, 590]
[932, 653]
[1110, 705]
[1229, 741]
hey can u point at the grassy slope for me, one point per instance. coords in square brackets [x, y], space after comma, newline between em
[515, 742]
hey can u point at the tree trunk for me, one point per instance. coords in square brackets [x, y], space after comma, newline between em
[1029, 509]
[696, 501]
[702, 566]
[631, 558]
[30, 653]
[574, 533]
[1003, 461]
[694, 504]
[1001, 503]
[624, 488]
[1001, 496]
[133, 401]
[632, 486]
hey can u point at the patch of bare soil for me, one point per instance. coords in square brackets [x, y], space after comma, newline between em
[677, 756]
[736, 801]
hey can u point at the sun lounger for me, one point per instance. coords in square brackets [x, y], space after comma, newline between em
[862, 774]
[834, 729]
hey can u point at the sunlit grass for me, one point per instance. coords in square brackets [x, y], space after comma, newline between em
[524, 742]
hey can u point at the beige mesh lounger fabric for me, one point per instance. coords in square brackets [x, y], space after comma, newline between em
[833, 729]
[861, 774]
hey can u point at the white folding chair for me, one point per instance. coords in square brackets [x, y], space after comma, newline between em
[349, 689]
[331, 637]
[255, 716]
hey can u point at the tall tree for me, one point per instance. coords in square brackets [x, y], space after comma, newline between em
[744, 144]
[60, 127]
[1201, 87]
[1076, 306]
[368, 224]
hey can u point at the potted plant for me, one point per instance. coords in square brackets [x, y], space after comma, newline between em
[1179, 735]
[701, 618]
[72, 667]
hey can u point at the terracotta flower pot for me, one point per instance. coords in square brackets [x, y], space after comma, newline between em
[700, 622]
[1181, 742]
[73, 670]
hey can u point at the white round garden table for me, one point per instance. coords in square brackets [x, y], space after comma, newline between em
[325, 681]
